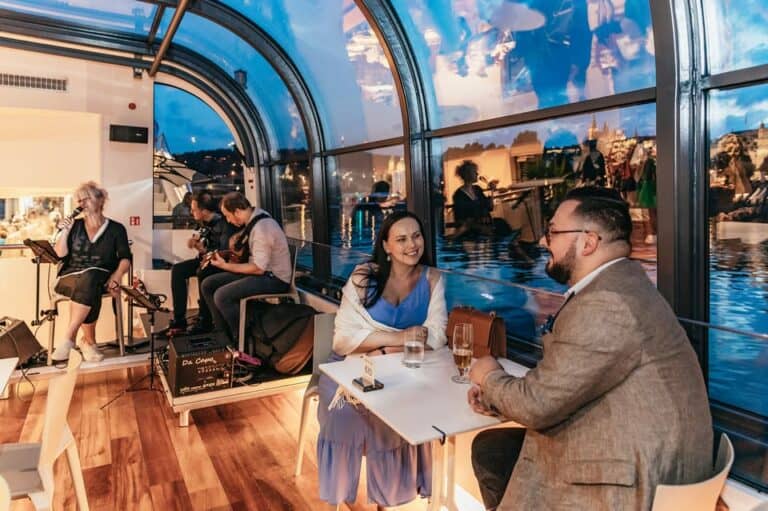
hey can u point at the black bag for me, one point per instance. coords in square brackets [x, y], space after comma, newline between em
[282, 335]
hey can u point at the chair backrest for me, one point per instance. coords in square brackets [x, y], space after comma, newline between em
[323, 339]
[5, 495]
[702, 495]
[294, 246]
[60, 391]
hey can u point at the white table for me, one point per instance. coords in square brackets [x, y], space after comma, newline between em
[421, 405]
[7, 366]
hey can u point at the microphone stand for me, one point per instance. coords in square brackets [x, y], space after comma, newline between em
[152, 304]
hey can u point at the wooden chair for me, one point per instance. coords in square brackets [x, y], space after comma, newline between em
[28, 468]
[702, 495]
[292, 293]
[320, 354]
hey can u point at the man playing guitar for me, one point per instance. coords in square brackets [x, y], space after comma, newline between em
[267, 267]
[213, 234]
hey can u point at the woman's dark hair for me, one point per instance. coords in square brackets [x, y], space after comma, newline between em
[376, 273]
[234, 201]
[465, 168]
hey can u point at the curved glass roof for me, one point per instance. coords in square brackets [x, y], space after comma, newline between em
[489, 58]
[736, 34]
[339, 56]
[263, 85]
[121, 15]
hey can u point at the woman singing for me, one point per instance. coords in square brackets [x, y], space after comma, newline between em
[95, 257]
[395, 292]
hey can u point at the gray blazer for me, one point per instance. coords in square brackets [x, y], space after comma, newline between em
[616, 405]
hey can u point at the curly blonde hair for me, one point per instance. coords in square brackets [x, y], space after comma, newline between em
[93, 191]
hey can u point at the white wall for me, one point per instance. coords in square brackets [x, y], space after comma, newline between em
[50, 141]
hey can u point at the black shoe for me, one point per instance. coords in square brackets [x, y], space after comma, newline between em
[175, 327]
[200, 327]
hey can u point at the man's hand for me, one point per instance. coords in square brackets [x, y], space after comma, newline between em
[474, 396]
[218, 261]
[481, 368]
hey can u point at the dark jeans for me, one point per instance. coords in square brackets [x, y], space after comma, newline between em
[180, 275]
[494, 454]
[223, 291]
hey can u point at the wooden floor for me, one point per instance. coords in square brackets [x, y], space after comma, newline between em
[135, 456]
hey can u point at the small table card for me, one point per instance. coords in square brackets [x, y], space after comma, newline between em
[367, 382]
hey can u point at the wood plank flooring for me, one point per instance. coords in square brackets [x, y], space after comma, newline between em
[136, 457]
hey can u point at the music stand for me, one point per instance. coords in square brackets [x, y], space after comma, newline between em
[44, 254]
[152, 305]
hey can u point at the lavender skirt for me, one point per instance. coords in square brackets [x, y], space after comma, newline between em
[396, 471]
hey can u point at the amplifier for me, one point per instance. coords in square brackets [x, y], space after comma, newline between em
[17, 340]
[198, 364]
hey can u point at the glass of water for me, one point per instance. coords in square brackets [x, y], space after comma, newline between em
[462, 351]
[413, 349]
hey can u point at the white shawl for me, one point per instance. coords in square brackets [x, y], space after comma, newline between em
[354, 324]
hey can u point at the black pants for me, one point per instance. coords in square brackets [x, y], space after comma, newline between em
[180, 275]
[494, 454]
[86, 289]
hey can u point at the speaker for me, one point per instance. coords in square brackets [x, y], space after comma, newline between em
[135, 134]
[17, 340]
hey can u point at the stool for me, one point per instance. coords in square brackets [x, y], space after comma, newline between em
[57, 299]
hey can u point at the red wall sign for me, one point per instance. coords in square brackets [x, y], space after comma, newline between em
[134, 220]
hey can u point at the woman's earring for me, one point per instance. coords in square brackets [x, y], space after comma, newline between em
[388, 258]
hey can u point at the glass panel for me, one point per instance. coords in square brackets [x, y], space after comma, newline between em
[738, 218]
[524, 172]
[120, 15]
[31, 216]
[295, 200]
[349, 78]
[736, 35]
[483, 59]
[362, 188]
[193, 151]
[262, 83]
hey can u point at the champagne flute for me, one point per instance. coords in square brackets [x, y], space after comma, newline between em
[462, 351]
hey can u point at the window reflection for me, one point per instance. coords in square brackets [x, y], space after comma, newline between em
[363, 187]
[735, 32]
[738, 215]
[293, 188]
[121, 15]
[488, 59]
[30, 216]
[523, 172]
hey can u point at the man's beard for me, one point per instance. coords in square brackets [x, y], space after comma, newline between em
[561, 271]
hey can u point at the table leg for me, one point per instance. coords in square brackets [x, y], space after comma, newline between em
[449, 460]
[438, 477]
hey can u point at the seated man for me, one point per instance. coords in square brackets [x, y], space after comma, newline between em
[261, 263]
[214, 233]
[617, 404]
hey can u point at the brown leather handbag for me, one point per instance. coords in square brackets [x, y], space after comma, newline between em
[490, 333]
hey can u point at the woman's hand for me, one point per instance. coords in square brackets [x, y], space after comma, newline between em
[113, 286]
[65, 224]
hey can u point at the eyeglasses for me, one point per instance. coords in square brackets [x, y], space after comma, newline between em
[548, 233]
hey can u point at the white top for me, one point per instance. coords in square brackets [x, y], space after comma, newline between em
[269, 247]
[354, 323]
[590, 277]
[414, 400]
[7, 365]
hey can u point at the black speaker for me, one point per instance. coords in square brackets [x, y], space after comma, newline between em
[17, 340]
[135, 134]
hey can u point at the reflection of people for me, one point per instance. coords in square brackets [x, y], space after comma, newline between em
[593, 165]
[646, 195]
[214, 234]
[95, 257]
[471, 208]
[617, 404]
[267, 269]
[396, 291]
[181, 213]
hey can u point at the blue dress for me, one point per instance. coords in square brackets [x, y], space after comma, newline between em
[396, 471]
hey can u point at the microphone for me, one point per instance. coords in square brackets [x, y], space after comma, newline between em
[72, 216]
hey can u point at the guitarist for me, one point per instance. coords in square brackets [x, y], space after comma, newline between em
[213, 234]
[265, 266]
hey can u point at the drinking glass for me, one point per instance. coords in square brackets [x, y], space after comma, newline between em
[462, 351]
[413, 350]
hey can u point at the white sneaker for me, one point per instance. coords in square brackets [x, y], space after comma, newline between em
[61, 353]
[91, 353]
